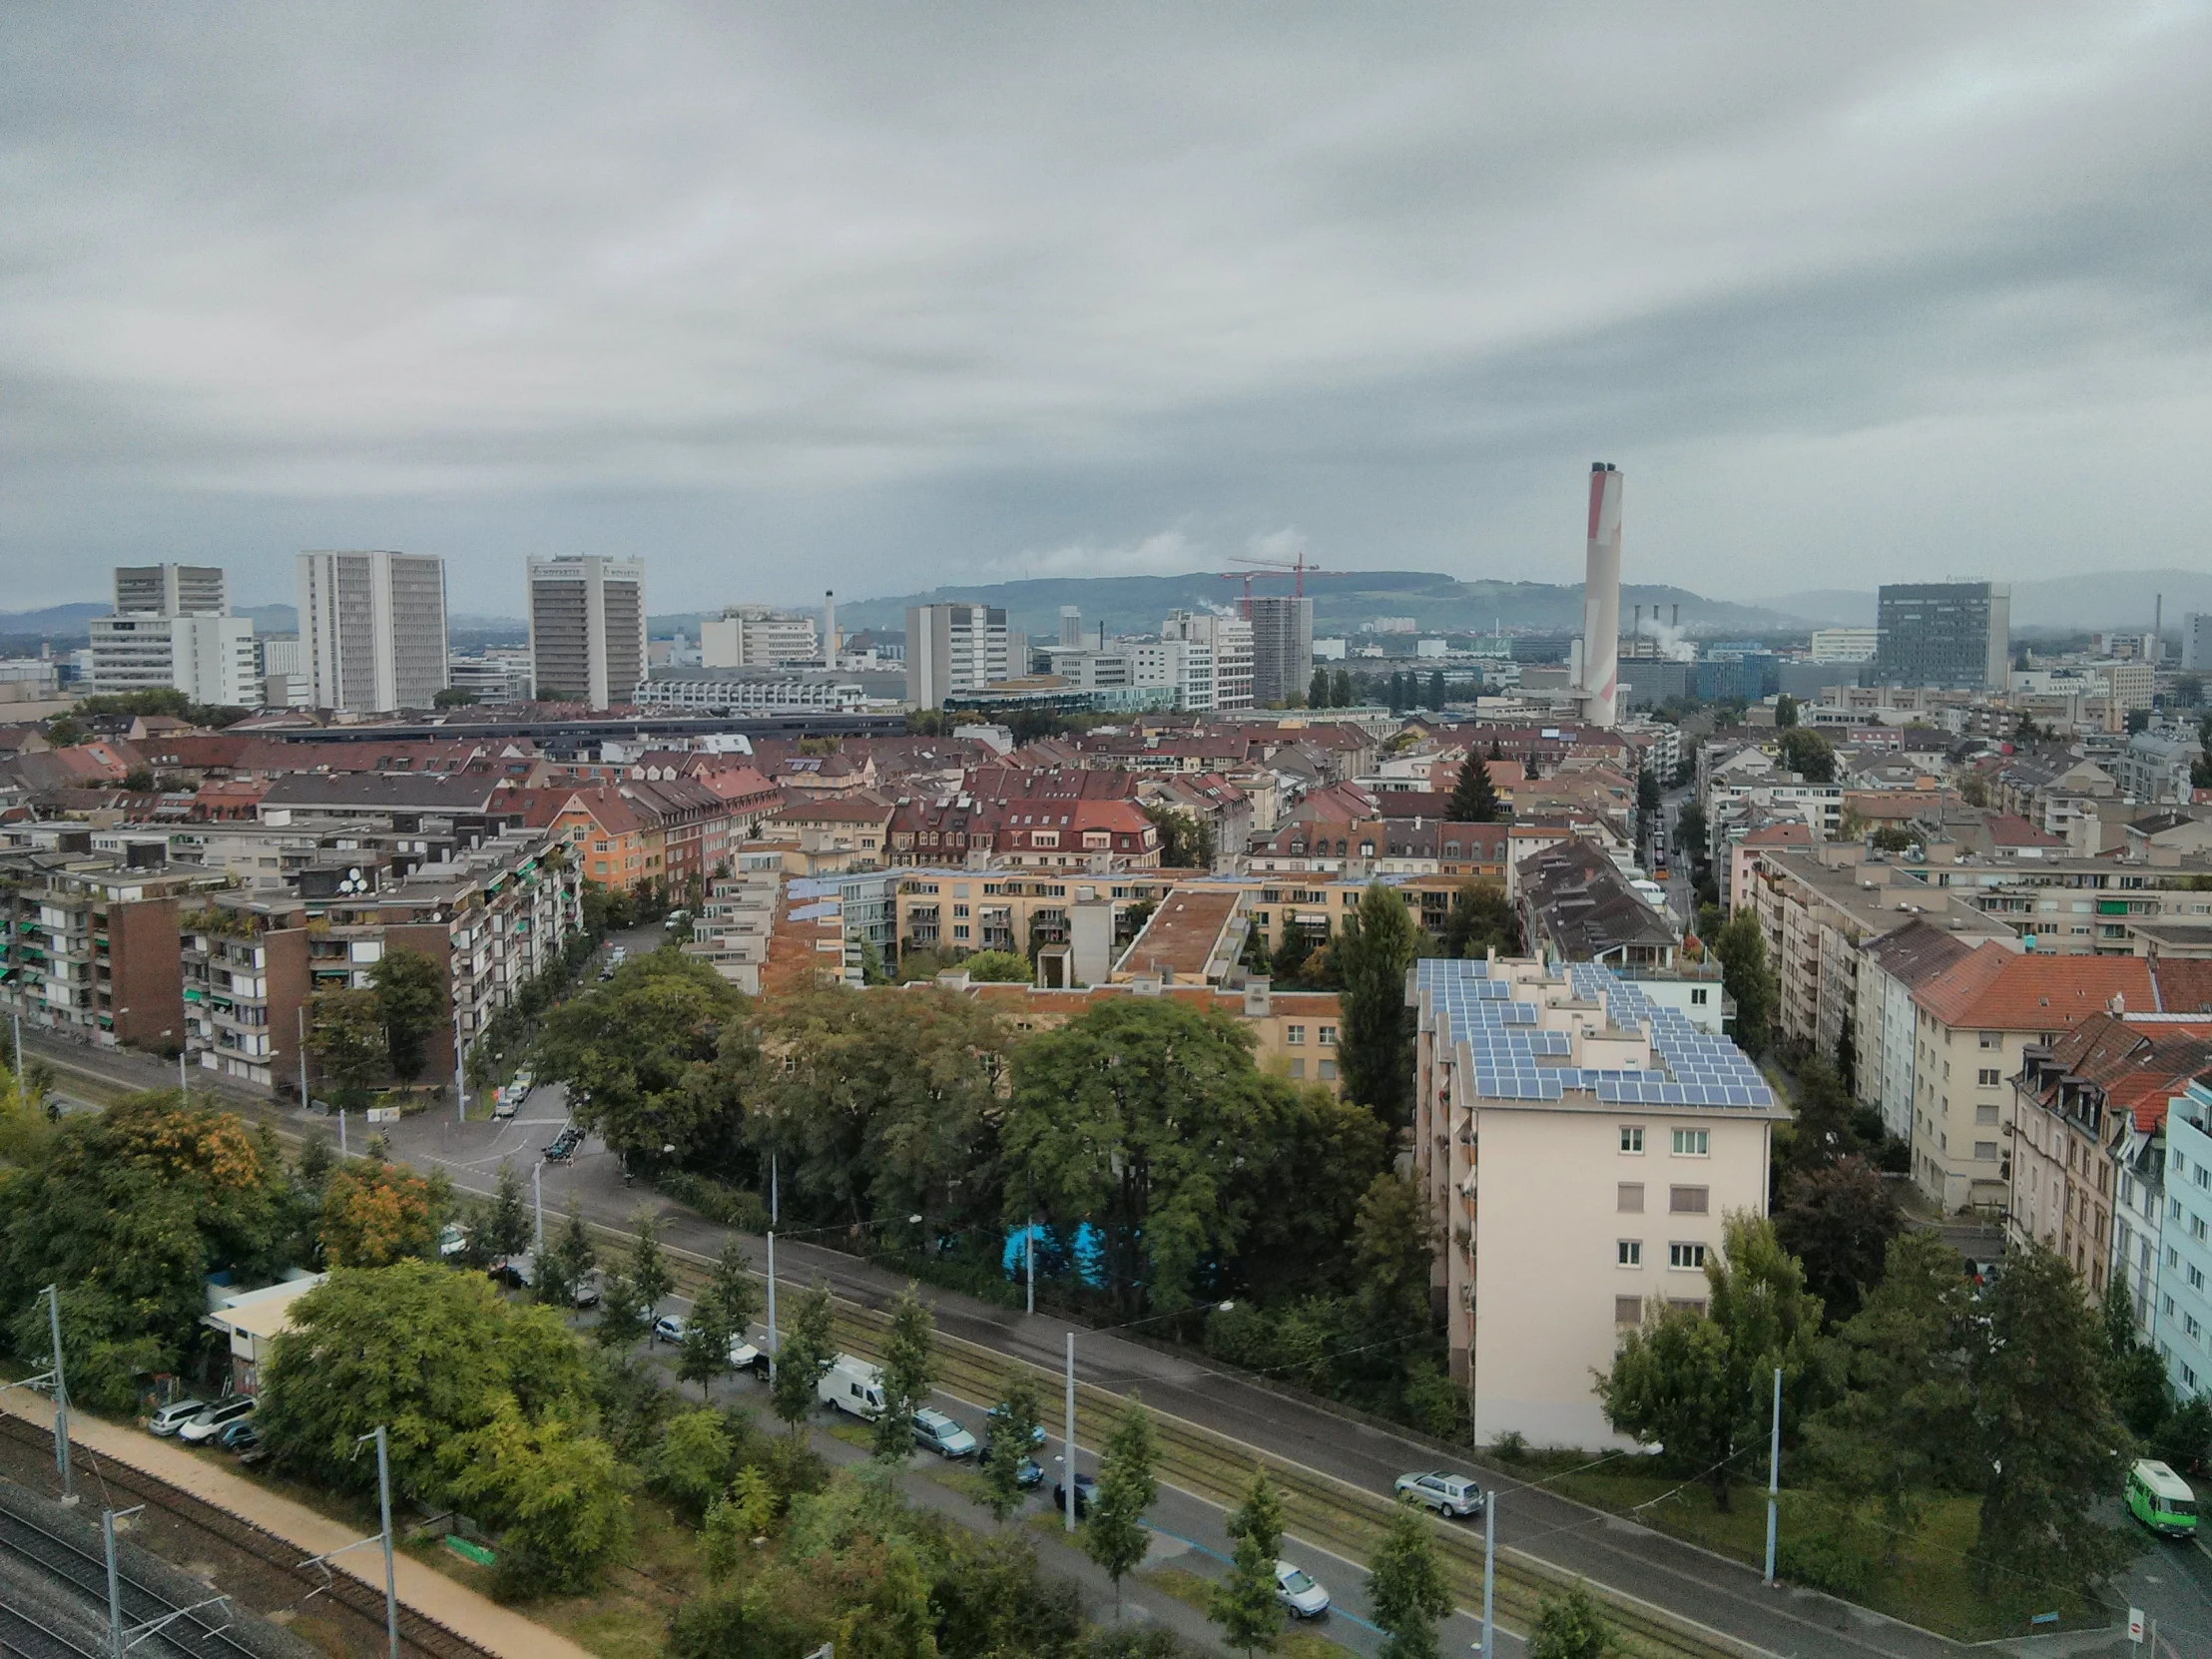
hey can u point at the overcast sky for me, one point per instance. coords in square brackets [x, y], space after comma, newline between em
[886, 297]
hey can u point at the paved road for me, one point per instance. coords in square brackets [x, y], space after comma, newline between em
[1604, 1548]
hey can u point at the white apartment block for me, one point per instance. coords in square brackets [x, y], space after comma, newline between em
[953, 648]
[1845, 644]
[172, 590]
[587, 628]
[754, 636]
[173, 630]
[1217, 662]
[1581, 1144]
[374, 628]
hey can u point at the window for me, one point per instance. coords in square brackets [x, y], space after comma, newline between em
[2173, 1256]
[1688, 1304]
[1630, 1198]
[1632, 1137]
[960, 930]
[2169, 1306]
[1686, 1255]
[1325, 1072]
[2190, 1328]
[1986, 1114]
[1293, 1034]
[1629, 1252]
[1689, 1201]
[2196, 1278]
[1692, 1143]
[1628, 1309]
[1697, 996]
[1326, 1036]
[1987, 1077]
[1991, 1039]
[1986, 1151]
[2188, 1379]
[2196, 1227]
[1297, 1068]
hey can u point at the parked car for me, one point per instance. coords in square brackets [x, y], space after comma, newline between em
[173, 1417]
[935, 1431]
[212, 1421]
[1087, 1489]
[506, 1102]
[525, 1081]
[1450, 1495]
[853, 1386]
[1027, 1473]
[998, 1414]
[1299, 1595]
[453, 1238]
[241, 1435]
[587, 1290]
[744, 1356]
[670, 1328]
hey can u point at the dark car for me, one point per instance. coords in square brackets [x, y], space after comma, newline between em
[1086, 1490]
[239, 1437]
[998, 1414]
[1026, 1474]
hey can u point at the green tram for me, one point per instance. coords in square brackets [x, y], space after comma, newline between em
[2161, 1500]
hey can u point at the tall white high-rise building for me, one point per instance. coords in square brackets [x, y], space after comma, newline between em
[1215, 672]
[587, 628]
[953, 648]
[372, 628]
[173, 630]
[755, 636]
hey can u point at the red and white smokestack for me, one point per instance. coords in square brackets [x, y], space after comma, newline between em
[1601, 599]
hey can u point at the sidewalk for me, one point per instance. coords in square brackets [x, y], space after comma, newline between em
[430, 1593]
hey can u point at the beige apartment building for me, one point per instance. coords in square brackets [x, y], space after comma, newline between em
[1582, 1137]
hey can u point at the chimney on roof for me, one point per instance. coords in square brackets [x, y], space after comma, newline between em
[2117, 1007]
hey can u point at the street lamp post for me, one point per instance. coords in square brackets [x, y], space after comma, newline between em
[1067, 1440]
[803, 1232]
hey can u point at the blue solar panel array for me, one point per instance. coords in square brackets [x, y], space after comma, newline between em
[1513, 1061]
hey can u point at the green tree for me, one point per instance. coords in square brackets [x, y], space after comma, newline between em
[420, 1348]
[1839, 1220]
[1648, 802]
[2052, 1447]
[1375, 1043]
[1808, 754]
[1474, 796]
[704, 1354]
[691, 1464]
[411, 996]
[1784, 711]
[1903, 1423]
[1288, 957]
[1407, 1587]
[345, 1034]
[507, 1228]
[1243, 1602]
[1482, 919]
[559, 1497]
[1570, 1626]
[1011, 1434]
[805, 1352]
[910, 1372]
[1127, 1483]
[1746, 978]
[734, 1293]
[1138, 1116]
[1700, 1385]
[665, 1053]
[453, 697]
[624, 1316]
[649, 1272]
[1340, 690]
[1436, 697]
[569, 1262]
[1317, 693]
[373, 1214]
[998, 967]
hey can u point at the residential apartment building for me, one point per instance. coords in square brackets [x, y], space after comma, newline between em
[1565, 1116]
[1974, 1022]
[1282, 648]
[171, 629]
[1955, 634]
[954, 649]
[756, 636]
[1211, 668]
[372, 625]
[1884, 1024]
[2182, 1325]
[587, 628]
[2076, 1105]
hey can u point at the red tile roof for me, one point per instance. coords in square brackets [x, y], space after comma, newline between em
[1995, 990]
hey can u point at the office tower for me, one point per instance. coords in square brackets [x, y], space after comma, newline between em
[754, 636]
[1282, 648]
[1599, 679]
[173, 630]
[951, 649]
[2196, 641]
[372, 628]
[1954, 635]
[1071, 624]
[1207, 660]
[587, 628]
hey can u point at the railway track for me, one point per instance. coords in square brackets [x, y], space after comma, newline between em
[20, 1634]
[359, 1607]
[195, 1635]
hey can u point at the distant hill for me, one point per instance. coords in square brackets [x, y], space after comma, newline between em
[1342, 603]
[55, 622]
[1829, 606]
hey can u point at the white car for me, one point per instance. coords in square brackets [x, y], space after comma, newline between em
[208, 1423]
[1298, 1591]
[935, 1431]
[1450, 1495]
[173, 1416]
[744, 1356]
[670, 1328]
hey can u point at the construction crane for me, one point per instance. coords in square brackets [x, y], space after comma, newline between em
[1295, 569]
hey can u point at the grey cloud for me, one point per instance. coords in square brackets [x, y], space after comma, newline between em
[899, 294]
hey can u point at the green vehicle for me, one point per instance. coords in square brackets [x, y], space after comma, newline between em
[2161, 1500]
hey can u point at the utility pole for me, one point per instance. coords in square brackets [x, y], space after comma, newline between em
[383, 1503]
[115, 1590]
[537, 1196]
[1489, 1572]
[1773, 1474]
[1029, 1259]
[460, 1054]
[301, 1011]
[341, 1131]
[18, 1054]
[184, 1089]
[61, 1394]
[1067, 1440]
[772, 1344]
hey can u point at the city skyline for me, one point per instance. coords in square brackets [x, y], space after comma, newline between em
[750, 298]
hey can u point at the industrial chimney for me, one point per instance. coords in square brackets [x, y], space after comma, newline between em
[1601, 599]
[831, 646]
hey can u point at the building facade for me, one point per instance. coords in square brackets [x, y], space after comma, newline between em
[754, 636]
[1282, 648]
[954, 649]
[587, 628]
[372, 625]
[1957, 634]
[171, 629]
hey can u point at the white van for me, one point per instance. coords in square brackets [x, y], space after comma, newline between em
[853, 1385]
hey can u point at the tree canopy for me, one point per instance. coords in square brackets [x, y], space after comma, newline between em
[1474, 796]
[411, 999]
[1376, 946]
